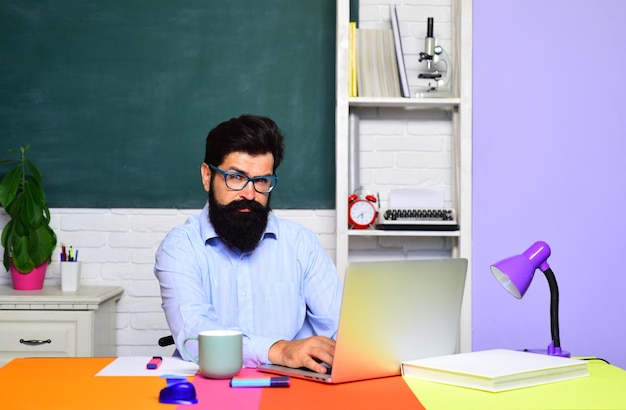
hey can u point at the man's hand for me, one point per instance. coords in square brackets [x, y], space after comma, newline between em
[304, 353]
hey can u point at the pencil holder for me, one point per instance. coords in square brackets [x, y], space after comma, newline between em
[70, 276]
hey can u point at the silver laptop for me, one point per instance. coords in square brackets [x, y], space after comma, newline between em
[392, 311]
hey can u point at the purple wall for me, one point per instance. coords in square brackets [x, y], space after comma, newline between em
[550, 164]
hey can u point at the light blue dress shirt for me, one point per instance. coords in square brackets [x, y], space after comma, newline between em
[285, 289]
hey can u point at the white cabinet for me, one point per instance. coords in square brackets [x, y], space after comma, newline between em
[52, 323]
[407, 122]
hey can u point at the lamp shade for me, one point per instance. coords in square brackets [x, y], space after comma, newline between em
[516, 272]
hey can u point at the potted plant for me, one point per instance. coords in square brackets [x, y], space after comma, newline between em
[27, 238]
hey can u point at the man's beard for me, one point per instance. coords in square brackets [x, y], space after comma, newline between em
[242, 230]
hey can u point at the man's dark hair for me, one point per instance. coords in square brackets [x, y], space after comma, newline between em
[251, 134]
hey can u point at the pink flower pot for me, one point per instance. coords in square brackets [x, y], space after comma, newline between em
[29, 281]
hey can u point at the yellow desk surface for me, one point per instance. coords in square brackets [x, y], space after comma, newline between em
[70, 383]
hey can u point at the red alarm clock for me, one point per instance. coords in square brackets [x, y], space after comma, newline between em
[362, 211]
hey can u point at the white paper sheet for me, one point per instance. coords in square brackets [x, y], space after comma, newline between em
[136, 366]
[416, 198]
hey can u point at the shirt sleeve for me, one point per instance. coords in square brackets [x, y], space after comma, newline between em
[322, 290]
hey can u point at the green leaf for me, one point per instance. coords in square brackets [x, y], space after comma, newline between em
[7, 237]
[35, 190]
[6, 258]
[36, 173]
[20, 255]
[9, 186]
[18, 227]
[33, 209]
[15, 207]
[53, 241]
[6, 233]
[46, 215]
[41, 244]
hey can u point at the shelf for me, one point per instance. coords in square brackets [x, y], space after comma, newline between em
[365, 156]
[407, 103]
[380, 232]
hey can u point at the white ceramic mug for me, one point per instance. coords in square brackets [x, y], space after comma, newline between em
[220, 353]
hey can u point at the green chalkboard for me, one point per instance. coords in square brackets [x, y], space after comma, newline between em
[116, 97]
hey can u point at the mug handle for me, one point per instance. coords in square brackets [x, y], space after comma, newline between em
[185, 352]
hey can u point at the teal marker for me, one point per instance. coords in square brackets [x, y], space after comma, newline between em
[281, 381]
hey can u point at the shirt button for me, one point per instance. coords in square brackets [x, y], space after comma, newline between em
[244, 293]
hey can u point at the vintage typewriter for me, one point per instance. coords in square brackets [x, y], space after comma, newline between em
[417, 219]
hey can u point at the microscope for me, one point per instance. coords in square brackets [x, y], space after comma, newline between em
[434, 55]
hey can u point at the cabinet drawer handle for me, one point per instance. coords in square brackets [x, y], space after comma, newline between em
[35, 342]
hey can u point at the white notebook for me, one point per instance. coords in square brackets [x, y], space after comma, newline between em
[495, 370]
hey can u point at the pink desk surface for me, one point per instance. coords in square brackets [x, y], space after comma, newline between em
[386, 393]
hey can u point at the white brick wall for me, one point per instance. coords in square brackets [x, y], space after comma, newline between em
[403, 149]
[117, 248]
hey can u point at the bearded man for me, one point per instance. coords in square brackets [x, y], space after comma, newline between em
[237, 266]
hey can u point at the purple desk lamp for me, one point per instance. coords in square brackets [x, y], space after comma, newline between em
[516, 273]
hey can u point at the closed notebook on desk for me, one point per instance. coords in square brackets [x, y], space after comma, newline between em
[495, 370]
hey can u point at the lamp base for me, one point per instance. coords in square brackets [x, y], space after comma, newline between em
[550, 351]
[560, 353]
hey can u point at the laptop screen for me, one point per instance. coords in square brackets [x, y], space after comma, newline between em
[394, 311]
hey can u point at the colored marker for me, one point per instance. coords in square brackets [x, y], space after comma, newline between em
[154, 363]
[279, 381]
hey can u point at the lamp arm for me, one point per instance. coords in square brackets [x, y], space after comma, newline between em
[554, 307]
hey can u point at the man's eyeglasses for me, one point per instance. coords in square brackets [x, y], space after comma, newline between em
[238, 181]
